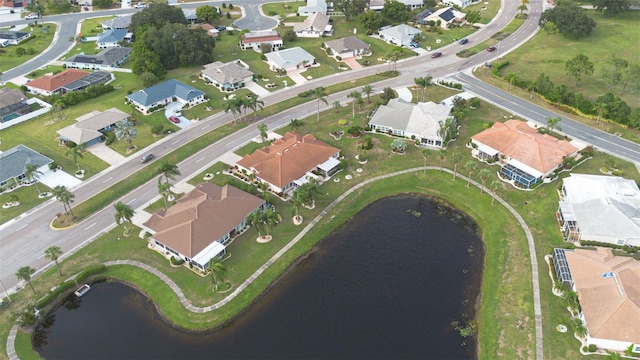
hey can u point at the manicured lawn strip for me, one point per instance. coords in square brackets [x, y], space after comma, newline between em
[24, 347]
[250, 148]
[48, 69]
[28, 198]
[92, 27]
[490, 11]
[279, 9]
[9, 59]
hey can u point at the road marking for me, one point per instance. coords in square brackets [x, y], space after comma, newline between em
[205, 127]
[21, 227]
[129, 203]
[90, 226]
[202, 158]
[40, 257]
[175, 142]
[107, 180]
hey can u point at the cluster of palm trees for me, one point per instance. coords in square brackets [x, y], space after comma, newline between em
[66, 197]
[76, 153]
[238, 107]
[169, 172]
[423, 83]
[304, 195]
[263, 221]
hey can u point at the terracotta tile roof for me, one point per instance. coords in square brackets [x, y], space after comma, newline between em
[288, 158]
[54, 82]
[259, 37]
[204, 215]
[517, 140]
[610, 304]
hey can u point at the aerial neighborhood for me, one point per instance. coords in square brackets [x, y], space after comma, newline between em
[208, 149]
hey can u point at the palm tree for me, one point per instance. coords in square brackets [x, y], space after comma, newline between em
[484, 175]
[32, 174]
[320, 95]
[425, 155]
[471, 166]
[59, 108]
[442, 154]
[269, 219]
[231, 105]
[76, 152]
[355, 95]
[533, 86]
[169, 171]
[217, 271]
[552, 123]
[455, 160]
[578, 327]
[53, 253]
[428, 81]
[367, 90]
[419, 81]
[164, 189]
[125, 129]
[310, 189]
[601, 109]
[494, 187]
[262, 128]
[24, 273]
[66, 197]
[123, 215]
[296, 202]
[255, 219]
[523, 6]
[445, 132]
[336, 106]
[511, 78]
[295, 124]
[254, 104]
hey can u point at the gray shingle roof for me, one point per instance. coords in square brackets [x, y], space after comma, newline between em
[229, 73]
[163, 91]
[289, 57]
[13, 161]
[112, 36]
[349, 43]
[120, 22]
[401, 33]
[88, 126]
[106, 56]
[12, 35]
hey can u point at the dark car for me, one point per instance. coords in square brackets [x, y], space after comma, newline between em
[491, 49]
[174, 119]
[436, 54]
[146, 158]
[463, 41]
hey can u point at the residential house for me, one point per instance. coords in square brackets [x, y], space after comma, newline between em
[412, 4]
[446, 17]
[118, 22]
[527, 156]
[376, 5]
[10, 37]
[89, 128]
[190, 15]
[459, 3]
[13, 3]
[347, 47]
[66, 81]
[419, 121]
[608, 289]
[419, 17]
[199, 225]
[111, 38]
[227, 77]
[313, 7]
[290, 59]
[401, 35]
[13, 162]
[13, 104]
[600, 208]
[210, 29]
[107, 59]
[315, 25]
[159, 95]
[255, 40]
[289, 161]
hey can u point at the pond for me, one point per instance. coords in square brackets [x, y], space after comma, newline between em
[399, 280]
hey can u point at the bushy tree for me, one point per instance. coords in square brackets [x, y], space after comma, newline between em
[577, 66]
[371, 20]
[177, 45]
[571, 20]
[615, 107]
[102, 4]
[611, 7]
[473, 17]
[395, 10]
[207, 13]
[290, 35]
[350, 8]
[144, 60]
[156, 15]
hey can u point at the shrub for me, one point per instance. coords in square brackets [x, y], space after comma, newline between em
[176, 262]
[593, 348]
[111, 137]
[342, 122]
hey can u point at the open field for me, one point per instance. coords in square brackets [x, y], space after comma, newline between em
[37, 44]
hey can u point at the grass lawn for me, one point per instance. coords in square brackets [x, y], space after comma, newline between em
[37, 43]
[495, 39]
[49, 69]
[282, 9]
[92, 27]
[28, 198]
[541, 54]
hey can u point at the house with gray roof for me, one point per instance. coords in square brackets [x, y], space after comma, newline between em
[600, 208]
[111, 38]
[346, 47]
[89, 128]
[159, 95]
[13, 162]
[190, 15]
[290, 59]
[401, 35]
[13, 104]
[118, 22]
[106, 59]
[312, 7]
[460, 3]
[227, 77]
[92, 79]
[420, 122]
[315, 25]
[10, 37]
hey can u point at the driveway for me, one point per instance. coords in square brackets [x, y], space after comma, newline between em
[256, 89]
[297, 77]
[105, 153]
[419, 51]
[169, 111]
[352, 63]
[404, 93]
[54, 178]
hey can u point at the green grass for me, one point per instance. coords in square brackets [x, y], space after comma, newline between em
[28, 198]
[500, 35]
[8, 57]
[282, 10]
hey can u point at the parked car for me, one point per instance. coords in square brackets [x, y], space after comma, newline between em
[140, 5]
[436, 54]
[174, 119]
[177, 112]
[32, 17]
[463, 41]
[147, 158]
[491, 49]
[414, 45]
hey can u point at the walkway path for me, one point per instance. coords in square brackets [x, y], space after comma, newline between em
[183, 300]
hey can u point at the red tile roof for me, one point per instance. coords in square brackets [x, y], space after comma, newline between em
[54, 82]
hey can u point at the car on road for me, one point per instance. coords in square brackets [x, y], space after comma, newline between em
[174, 119]
[140, 5]
[32, 17]
[436, 54]
[146, 158]
[491, 49]
[463, 41]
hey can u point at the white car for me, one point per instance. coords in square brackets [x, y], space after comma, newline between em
[32, 17]
[140, 5]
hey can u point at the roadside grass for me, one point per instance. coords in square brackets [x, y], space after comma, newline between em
[86, 48]
[447, 37]
[92, 27]
[28, 198]
[612, 36]
[282, 9]
[48, 69]
[487, 14]
[493, 40]
[9, 59]
[250, 148]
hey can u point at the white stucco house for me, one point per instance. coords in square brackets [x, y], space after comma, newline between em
[315, 25]
[347, 47]
[290, 59]
[313, 7]
[401, 35]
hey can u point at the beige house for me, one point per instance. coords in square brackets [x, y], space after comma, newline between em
[315, 25]
[197, 228]
[227, 77]
[347, 47]
[90, 127]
